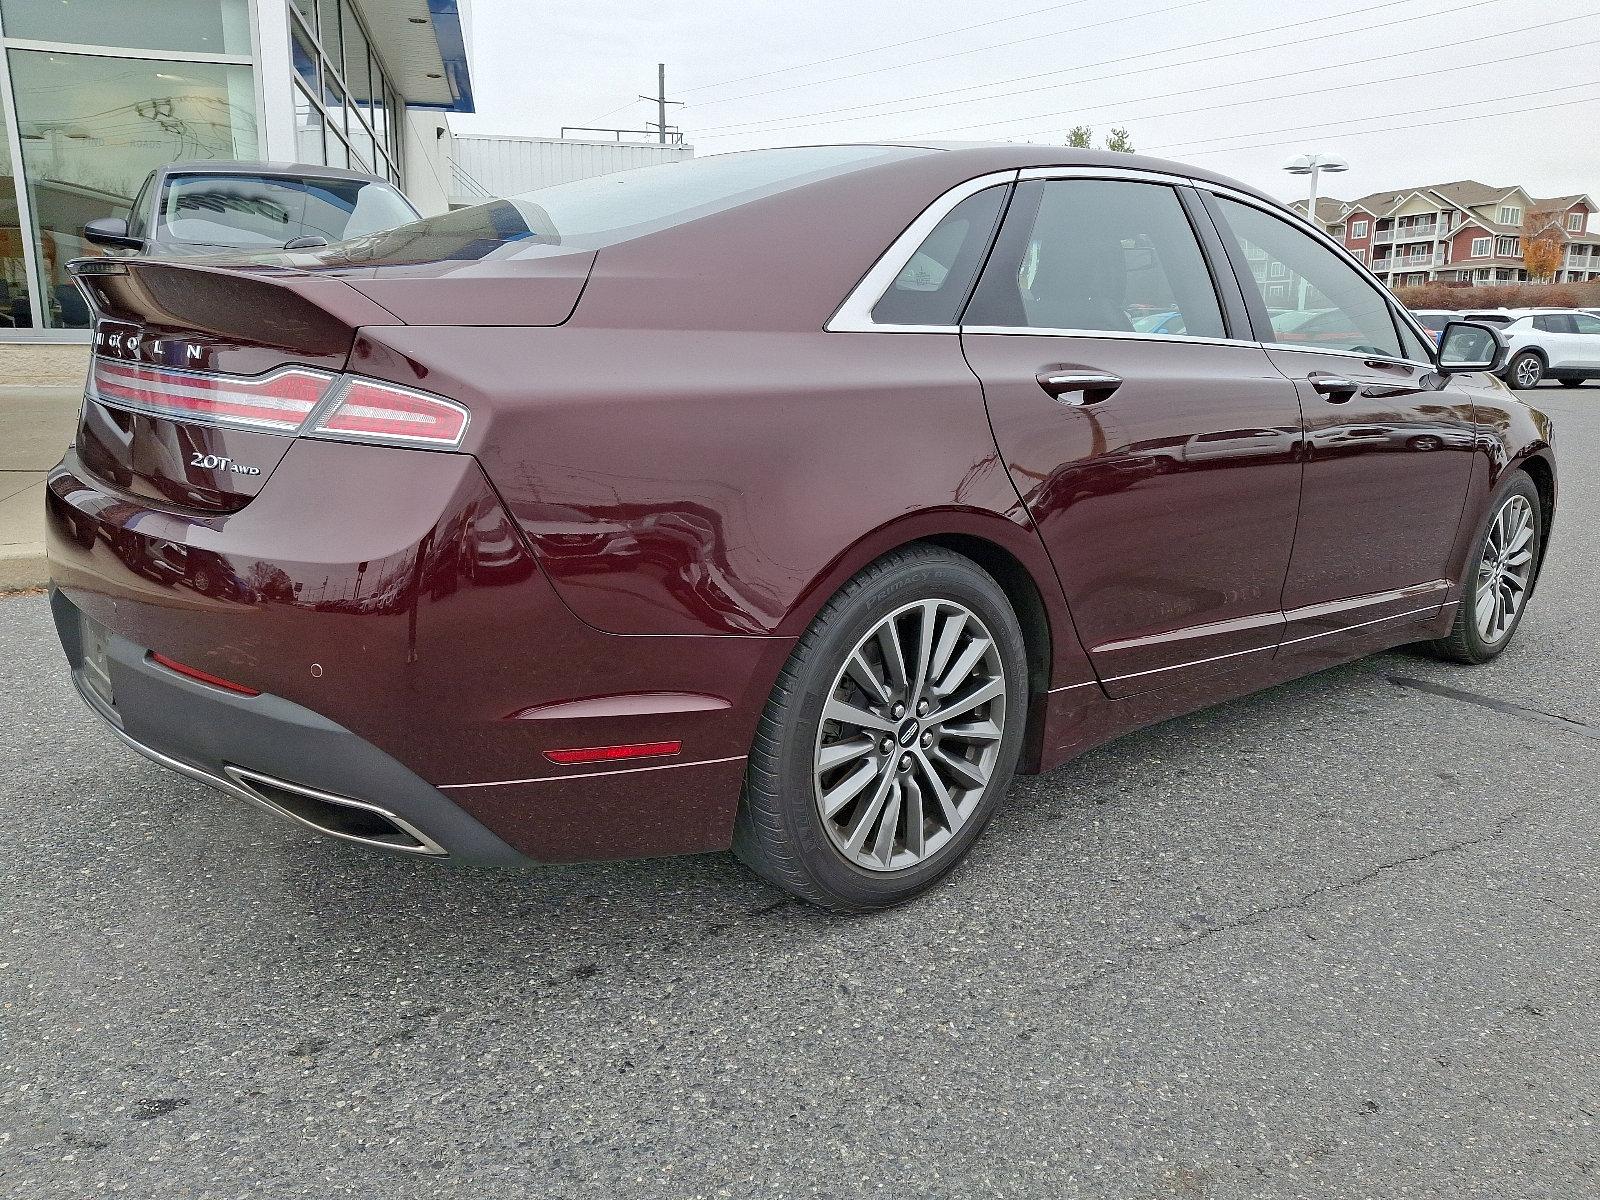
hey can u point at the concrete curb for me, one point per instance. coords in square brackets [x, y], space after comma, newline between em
[23, 567]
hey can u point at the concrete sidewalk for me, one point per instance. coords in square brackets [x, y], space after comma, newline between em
[36, 425]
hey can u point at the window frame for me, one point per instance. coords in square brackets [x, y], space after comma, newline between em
[1232, 315]
[331, 69]
[1487, 244]
[1358, 229]
[1211, 192]
[1228, 270]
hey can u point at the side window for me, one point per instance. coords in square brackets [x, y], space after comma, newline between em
[1096, 254]
[1584, 323]
[933, 285]
[1324, 303]
[1412, 346]
[1543, 325]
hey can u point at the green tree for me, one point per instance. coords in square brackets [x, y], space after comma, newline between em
[1120, 141]
[1080, 136]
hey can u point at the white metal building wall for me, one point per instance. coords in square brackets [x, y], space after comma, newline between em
[507, 166]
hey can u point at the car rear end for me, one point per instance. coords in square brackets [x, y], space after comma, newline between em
[241, 540]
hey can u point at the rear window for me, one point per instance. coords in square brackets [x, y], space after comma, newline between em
[253, 211]
[1433, 322]
[587, 214]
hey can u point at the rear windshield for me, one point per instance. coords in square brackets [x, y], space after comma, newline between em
[1434, 322]
[250, 211]
[587, 214]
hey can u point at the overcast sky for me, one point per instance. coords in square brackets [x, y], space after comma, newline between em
[1235, 85]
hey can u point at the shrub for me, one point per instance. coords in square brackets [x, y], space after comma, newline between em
[1502, 295]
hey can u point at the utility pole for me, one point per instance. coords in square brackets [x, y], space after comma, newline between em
[661, 101]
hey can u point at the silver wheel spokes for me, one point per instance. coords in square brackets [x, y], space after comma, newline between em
[1505, 569]
[1528, 372]
[910, 735]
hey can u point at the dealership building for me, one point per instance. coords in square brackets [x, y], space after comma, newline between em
[94, 94]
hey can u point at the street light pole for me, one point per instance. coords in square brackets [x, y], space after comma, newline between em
[1314, 165]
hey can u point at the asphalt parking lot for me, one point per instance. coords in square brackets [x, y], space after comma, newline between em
[1339, 939]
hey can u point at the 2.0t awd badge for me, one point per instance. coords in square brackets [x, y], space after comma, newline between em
[214, 462]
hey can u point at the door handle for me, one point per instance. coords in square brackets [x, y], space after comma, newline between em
[1078, 388]
[1335, 389]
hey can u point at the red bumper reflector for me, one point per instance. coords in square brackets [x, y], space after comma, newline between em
[203, 676]
[594, 754]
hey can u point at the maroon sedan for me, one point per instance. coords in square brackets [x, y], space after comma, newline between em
[789, 501]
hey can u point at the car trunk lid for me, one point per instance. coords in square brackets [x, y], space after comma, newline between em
[201, 374]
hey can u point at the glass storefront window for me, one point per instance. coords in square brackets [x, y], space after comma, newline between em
[14, 310]
[308, 130]
[355, 64]
[304, 55]
[328, 32]
[192, 26]
[93, 128]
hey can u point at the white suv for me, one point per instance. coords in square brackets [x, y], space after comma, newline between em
[1548, 343]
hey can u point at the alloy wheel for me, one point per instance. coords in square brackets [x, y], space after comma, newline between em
[910, 735]
[1528, 372]
[1505, 569]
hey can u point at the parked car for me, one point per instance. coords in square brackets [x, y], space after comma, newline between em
[191, 208]
[1434, 319]
[615, 520]
[1552, 343]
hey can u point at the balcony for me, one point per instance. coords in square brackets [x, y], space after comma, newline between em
[1423, 229]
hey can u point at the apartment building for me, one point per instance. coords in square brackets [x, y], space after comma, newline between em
[1462, 232]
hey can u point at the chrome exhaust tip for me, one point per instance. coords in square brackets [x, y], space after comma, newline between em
[332, 815]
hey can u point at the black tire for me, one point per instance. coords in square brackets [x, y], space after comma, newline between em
[1571, 383]
[1525, 370]
[779, 831]
[1465, 644]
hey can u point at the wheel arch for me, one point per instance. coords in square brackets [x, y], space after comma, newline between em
[1537, 465]
[1014, 556]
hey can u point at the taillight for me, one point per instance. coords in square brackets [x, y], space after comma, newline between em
[365, 410]
[288, 400]
[279, 402]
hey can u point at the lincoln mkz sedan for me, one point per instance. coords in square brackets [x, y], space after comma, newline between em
[789, 501]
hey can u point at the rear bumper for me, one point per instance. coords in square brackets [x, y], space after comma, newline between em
[276, 755]
[411, 657]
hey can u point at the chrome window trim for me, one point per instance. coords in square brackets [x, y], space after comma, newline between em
[855, 314]
[1117, 334]
[1285, 213]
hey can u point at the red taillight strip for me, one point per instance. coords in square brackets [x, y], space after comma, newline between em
[594, 754]
[216, 681]
[366, 410]
[280, 402]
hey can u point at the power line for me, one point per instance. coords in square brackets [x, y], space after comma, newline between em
[805, 122]
[1326, 124]
[1126, 119]
[1345, 136]
[1033, 37]
[927, 37]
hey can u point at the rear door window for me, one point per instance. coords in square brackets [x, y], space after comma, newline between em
[1098, 255]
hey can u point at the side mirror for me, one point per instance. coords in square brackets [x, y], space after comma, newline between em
[113, 232]
[1466, 347]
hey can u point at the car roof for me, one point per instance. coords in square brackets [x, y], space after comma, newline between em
[212, 166]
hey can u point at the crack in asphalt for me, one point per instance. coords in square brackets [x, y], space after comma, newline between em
[1494, 704]
[1139, 954]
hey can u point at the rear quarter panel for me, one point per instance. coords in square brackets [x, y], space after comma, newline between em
[713, 482]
